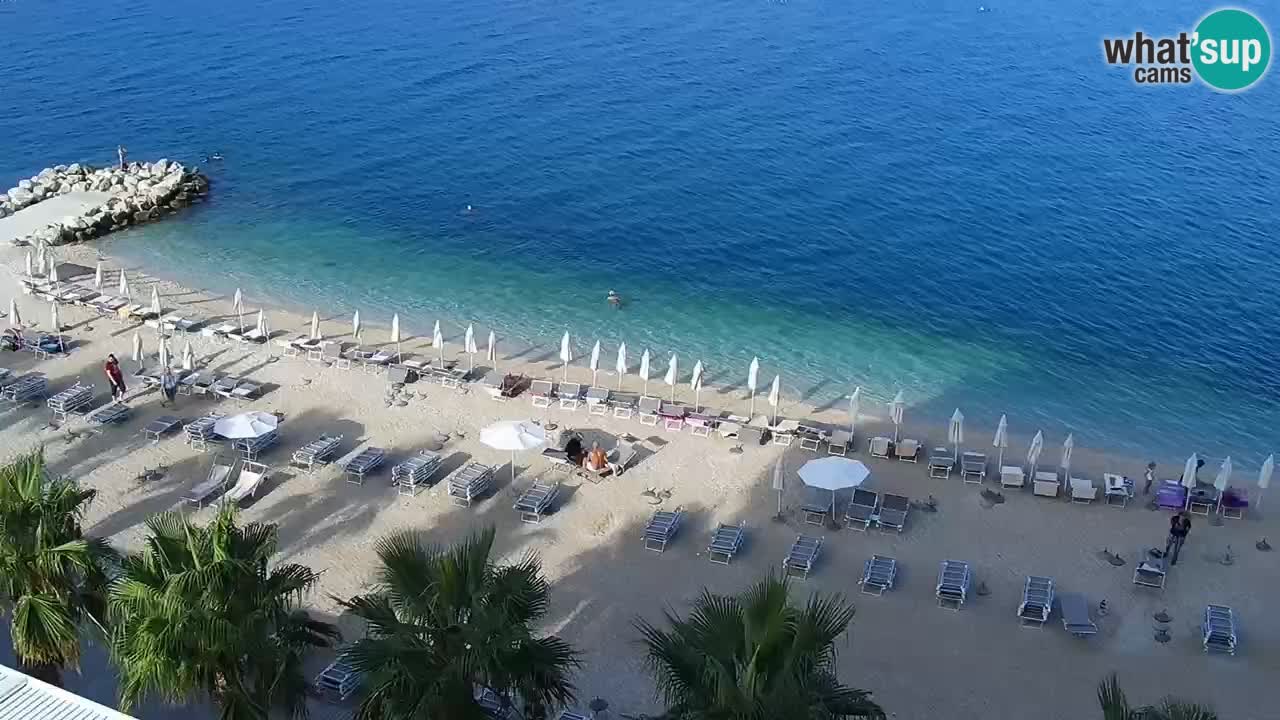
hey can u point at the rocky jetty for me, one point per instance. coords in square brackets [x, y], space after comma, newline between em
[140, 193]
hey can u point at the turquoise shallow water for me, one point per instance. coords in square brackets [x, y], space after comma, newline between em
[967, 206]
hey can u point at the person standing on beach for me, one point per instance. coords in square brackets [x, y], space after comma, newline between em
[1151, 478]
[169, 387]
[1179, 527]
[115, 377]
[121, 152]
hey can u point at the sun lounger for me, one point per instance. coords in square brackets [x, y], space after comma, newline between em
[543, 393]
[219, 474]
[1037, 601]
[597, 399]
[1012, 476]
[1083, 491]
[701, 424]
[560, 460]
[1219, 629]
[1171, 495]
[624, 406]
[331, 353]
[751, 436]
[893, 512]
[878, 574]
[973, 467]
[941, 462]
[783, 432]
[907, 450]
[811, 437]
[661, 529]
[648, 411]
[412, 475]
[801, 558]
[471, 481]
[570, 395]
[362, 463]
[250, 448]
[161, 425]
[252, 475]
[839, 442]
[204, 383]
[621, 457]
[815, 505]
[25, 389]
[570, 715]
[200, 432]
[672, 416]
[112, 412]
[536, 501]
[1150, 571]
[186, 385]
[245, 390]
[1046, 484]
[315, 453]
[1075, 615]
[1119, 489]
[338, 680]
[862, 509]
[1233, 503]
[72, 400]
[725, 543]
[224, 386]
[1202, 501]
[954, 580]
[879, 447]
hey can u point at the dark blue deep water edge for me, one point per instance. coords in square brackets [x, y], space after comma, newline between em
[969, 206]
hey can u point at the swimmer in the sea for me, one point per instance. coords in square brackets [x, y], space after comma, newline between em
[614, 298]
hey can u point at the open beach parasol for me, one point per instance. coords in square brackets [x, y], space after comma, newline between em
[775, 396]
[595, 362]
[123, 288]
[672, 375]
[1001, 439]
[833, 473]
[315, 326]
[897, 407]
[513, 435]
[696, 383]
[753, 379]
[566, 354]
[15, 318]
[491, 352]
[1067, 446]
[644, 371]
[855, 409]
[395, 332]
[1264, 476]
[469, 345]
[955, 432]
[251, 424]
[97, 275]
[1033, 452]
[621, 365]
[237, 304]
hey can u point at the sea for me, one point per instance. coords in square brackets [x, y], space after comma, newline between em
[956, 199]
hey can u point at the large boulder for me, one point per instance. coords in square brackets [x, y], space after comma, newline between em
[24, 184]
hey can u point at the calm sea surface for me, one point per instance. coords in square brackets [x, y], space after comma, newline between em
[969, 206]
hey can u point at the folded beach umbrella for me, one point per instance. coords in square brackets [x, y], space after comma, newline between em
[833, 473]
[1189, 472]
[356, 327]
[437, 340]
[955, 431]
[1067, 446]
[1033, 452]
[123, 288]
[263, 330]
[1264, 476]
[775, 395]
[315, 326]
[137, 348]
[395, 331]
[779, 483]
[164, 353]
[155, 302]
[855, 409]
[491, 352]
[188, 358]
[53, 273]
[30, 266]
[237, 304]
[469, 345]
[1224, 476]
[696, 383]
[513, 435]
[595, 361]
[644, 371]
[1001, 439]
[15, 318]
[97, 275]
[566, 354]
[40, 259]
[753, 379]
[621, 365]
[672, 375]
[53, 317]
[252, 424]
[897, 407]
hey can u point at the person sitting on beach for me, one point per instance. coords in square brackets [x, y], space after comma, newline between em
[596, 460]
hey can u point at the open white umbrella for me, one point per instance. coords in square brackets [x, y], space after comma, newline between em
[97, 276]
[395, 332]
[123, 288]
[672, 376]
[753, 380]
[15, 318]
[595, 362]
[855, 409]
[1264, 476]
[1033, 452]
[775, 396]
[137, 348]
[513, 435]
[897, 407]
[491, 352]
[245, 425]
[237, 304]
[644, 371]
[1065, 463]
[779, 483]
[833, 473]
[469, 344]
[955, 432]
[30, 266]
[696, 383]
[188, 357]
[621, 365]
[437, 340]
[566, 354]
[315, 326]
[1001, 439]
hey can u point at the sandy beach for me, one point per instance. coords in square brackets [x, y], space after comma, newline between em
[920, 660]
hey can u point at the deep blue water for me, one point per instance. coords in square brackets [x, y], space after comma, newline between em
[969, 206]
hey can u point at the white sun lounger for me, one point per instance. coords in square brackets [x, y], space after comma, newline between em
[597, 401]
[315, 453]
[250, 448]
[1075, 615]
[1219, 629]
[879, 574]
[647, 409]
[413, 474]
[954, 580]
[536, 501]
[725, 543]
[543, 393]
[471, 481]
[1150, 571]
[893, 512]
[1083, 491]
[200, 432]
[879, 447]
[839, 442]
[72, 400]
[219, 474]
[801, 558]
[661, 529]
[861, 510]
[1012, 476]
[570, 395]
[973, 467]
[941, 462]
[362, 463]
[907, 450]
[251, 476]
[1037, 601]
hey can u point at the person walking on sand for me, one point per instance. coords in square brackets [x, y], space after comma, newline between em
[1179, 527]
[169, 387]
[1151, 478]
[115, 377]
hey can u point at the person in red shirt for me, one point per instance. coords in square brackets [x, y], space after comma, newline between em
[115, 377]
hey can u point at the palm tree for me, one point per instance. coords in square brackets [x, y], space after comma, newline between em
[52, 577]
[445, 624]
[1115, 706]
[754, 656]
[201, 610]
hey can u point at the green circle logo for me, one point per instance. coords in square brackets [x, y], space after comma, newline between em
[1232, 49]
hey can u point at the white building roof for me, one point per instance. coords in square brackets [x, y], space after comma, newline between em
[25, 698]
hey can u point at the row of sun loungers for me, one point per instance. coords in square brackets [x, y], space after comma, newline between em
[725, 543]
[250, 448]
[157, 428]
[802, 557]
[199, 432]
[315, 453]
[661, 529]
[362, 463]
[536, 501]
[888, 512]
[1219, 629]
[74, 399]
[25, 388]
[471, 481]
[413, 474]
[221, 470]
